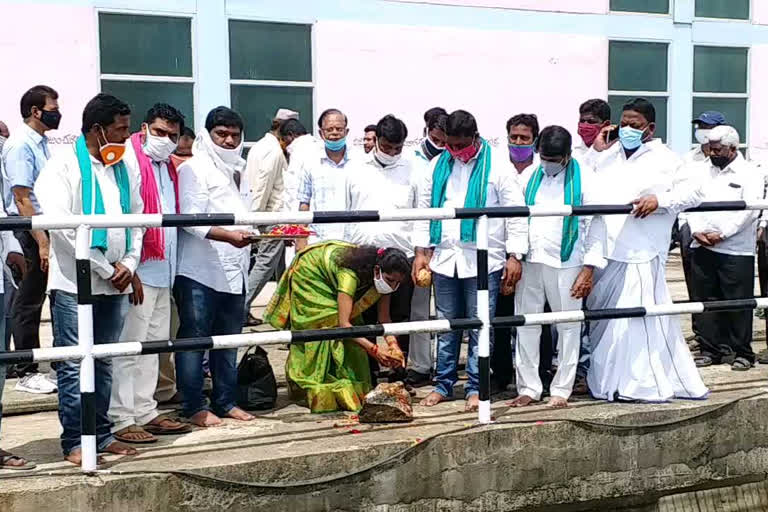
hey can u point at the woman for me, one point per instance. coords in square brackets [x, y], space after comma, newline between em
[329, 285]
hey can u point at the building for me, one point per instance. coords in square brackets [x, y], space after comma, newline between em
[494, 58]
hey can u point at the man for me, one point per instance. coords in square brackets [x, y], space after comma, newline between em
[563, 253]
[434, 134]
[323, 178]
[10, 291]
[93, 166]
[264, 169]
[133, 409]
[465, 177]
[369, 138]
[594, 115]
[723, 258]
[389, 181]
[703, 126]
[183, 150]
[301, 153]
[643, 358]
[522, 132]
[24, 156]
[213, 266]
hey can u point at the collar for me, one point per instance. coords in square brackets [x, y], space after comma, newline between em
[735, 167]
[33, 135]
[372, 161]
[643, 149]
[344, 160]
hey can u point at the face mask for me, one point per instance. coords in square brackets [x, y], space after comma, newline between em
[111, 152]
[382, 286]
[702, 135]
[229, 156]
[430, 149]
[589, 132]
[2, 142]
[335, 145]
[51, 118]
[157, 148]
[384, 159]
[520, 152]
[552, 168]
[631, 138]
[720, 161]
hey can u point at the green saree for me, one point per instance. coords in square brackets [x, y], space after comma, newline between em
[329, 375]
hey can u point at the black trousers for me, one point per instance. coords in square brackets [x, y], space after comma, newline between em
[686, 253]
[762, 268]
[28, 302]
[719, 276]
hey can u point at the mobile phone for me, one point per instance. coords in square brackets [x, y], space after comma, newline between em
[612, 135]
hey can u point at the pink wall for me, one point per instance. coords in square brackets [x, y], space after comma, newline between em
[758, 103]
[57, 49]
[493, 74]
[582, 6]
[760, 12]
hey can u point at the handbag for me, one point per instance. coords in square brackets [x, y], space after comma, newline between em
[256, 383]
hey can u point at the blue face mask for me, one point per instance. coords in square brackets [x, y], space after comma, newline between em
[631, 138]
[335, 145]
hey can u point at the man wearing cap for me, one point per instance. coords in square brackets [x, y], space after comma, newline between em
[264, 171]
[703, 126]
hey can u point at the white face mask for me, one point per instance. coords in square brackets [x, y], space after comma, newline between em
[382, 286]
[385, 159]
[702, 135]
[229, 156]
[552, 168]
[157, 148]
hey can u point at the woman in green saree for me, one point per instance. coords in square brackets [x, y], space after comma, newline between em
[329, 285]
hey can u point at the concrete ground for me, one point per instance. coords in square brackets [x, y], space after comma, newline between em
[530, 459]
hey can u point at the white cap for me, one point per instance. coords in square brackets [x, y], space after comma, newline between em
[283, 114]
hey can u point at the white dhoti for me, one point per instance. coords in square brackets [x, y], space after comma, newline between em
[645, 358]
[539, 284]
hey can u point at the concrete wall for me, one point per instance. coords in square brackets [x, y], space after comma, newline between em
[580, 6]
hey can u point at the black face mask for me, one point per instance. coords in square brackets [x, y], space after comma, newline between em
[720, 161]
[51, 118]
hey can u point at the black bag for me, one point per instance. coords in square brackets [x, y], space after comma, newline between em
[256, 383]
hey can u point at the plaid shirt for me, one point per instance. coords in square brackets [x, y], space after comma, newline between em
[322, 187]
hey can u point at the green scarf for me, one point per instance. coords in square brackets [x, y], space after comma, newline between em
[99, 236]
[572, 198]
[476, 192]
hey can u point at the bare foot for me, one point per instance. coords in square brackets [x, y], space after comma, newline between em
[558, 402]
[118, 448]
[432, 399]
[521, 401]
[237, 413]
[472, 402]
[76, 458]
[205, 419]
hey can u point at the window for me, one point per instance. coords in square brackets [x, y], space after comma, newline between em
[637, 69]
[270, 68]
[732, 9]
[133, 70]
[649, 6]
[720, 83]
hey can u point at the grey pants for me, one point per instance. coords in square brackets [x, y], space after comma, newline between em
[269, 260]
[420, 350]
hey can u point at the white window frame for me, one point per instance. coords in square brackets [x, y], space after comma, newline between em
[120, 77]
[715, 95]
[646, 94]
[280, 83]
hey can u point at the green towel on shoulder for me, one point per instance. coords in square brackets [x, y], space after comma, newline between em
[89, 183]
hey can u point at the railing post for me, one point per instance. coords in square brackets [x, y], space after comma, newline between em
[85, 341]
[483, 313]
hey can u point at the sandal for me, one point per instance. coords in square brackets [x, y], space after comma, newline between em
[703, 361]
[741, 364]
[122, 435]
[6, 457]
[162, 428]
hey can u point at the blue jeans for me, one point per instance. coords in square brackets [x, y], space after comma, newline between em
[205, 312]
[108, 315]
[457, 298]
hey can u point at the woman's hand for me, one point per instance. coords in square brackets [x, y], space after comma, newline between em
[394, 349]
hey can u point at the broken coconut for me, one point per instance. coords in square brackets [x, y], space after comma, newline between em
[388, 403]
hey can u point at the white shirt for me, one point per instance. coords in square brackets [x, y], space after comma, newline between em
[694, 155]
[452, 256]
[739, 181]
[59, 190]
[8, 244]
[373, 187]
[651, 170]
[204, 188]
[322, 187]
[302, 152]
[545, 234]
[587, 156]
[264, 171]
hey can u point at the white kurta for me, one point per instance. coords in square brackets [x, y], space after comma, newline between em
[643, 358]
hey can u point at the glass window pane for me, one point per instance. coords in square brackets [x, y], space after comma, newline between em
[140, 96]
[730, 9]
[718, 69]
[651, 6]
[258, 104]
[145, 45]
[270, 51]
[637, 66]
[659, 103]
[734, 110]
